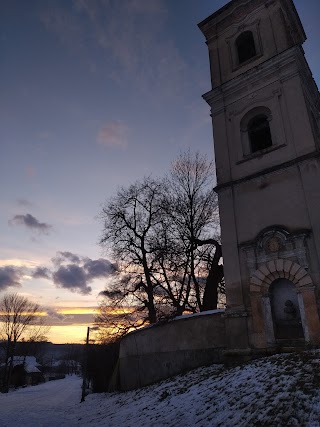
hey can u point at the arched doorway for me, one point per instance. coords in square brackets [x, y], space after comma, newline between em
[285, 310]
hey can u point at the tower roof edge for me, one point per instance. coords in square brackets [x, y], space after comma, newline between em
[230, 9]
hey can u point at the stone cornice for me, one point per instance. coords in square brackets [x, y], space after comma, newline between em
[285, 165]
[278, 68]
[237, 11]
[233, 13]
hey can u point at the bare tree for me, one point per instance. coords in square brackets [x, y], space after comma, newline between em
[193, 211]
[114, 321]
[33, 342]
[19, 319]
[160, 232]
[130, 220]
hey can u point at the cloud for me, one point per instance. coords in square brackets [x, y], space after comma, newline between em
[10, 276]
[113, 134]
[65, 256]
[110, 294]
[24, 203]
[41, 273]
[54, 314]
[31, 223]
[75, 272]
[72, 277]
[69, 271]
[58, 316]
[98, 268]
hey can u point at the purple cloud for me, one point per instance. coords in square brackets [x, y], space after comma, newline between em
[10, 276]
[73, 278]
[31, 223]
[54, 314]
[113, 134]
[24, 203]
[98, 268]
[66, 256]
[41, 273]
[75, 272]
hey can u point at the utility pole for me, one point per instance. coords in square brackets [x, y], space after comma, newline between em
[85, 366]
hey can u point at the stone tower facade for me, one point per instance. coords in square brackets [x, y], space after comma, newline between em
[265, 113]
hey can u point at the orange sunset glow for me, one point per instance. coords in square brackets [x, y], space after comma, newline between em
[72, 329]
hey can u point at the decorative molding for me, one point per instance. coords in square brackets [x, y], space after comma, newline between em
[262, 278]
[274, 243]
[259, 153]
[257, 101]
[282, 66]
[241, 28]
[240, 13]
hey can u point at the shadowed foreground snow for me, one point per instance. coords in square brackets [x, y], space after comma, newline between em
[276, 391]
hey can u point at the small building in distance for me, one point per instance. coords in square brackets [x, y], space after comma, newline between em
[26, 371]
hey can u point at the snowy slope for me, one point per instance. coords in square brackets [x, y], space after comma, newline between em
[281, 390]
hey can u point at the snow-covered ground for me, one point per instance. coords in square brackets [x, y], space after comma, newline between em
[282, 390]
[46, 404]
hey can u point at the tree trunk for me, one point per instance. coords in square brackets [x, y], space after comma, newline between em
[215, 275]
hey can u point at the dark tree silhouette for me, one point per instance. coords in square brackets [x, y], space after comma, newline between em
[215, 277]
[158, 232]
[19, 319]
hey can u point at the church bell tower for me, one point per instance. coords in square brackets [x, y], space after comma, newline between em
[265, 113]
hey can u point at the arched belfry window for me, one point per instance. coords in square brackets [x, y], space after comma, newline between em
[256, 130]
[245, 46]
[259, 133]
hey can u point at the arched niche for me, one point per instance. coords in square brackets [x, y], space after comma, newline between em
[285, 310]
[261, 306]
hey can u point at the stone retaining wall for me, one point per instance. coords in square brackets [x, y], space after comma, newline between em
[163, 350]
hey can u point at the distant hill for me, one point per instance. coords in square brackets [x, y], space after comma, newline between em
[48, 350]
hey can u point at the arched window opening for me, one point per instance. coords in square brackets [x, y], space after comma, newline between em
[259, 133]
[245, 46]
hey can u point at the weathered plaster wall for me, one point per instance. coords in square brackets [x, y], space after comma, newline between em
[276, 187]
[161, 351]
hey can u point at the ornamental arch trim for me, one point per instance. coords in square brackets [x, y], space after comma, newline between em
[267, 273]
[251, 114]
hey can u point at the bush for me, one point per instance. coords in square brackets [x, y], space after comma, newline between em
[102, 360]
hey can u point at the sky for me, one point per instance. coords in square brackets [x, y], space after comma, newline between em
[95, 94]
